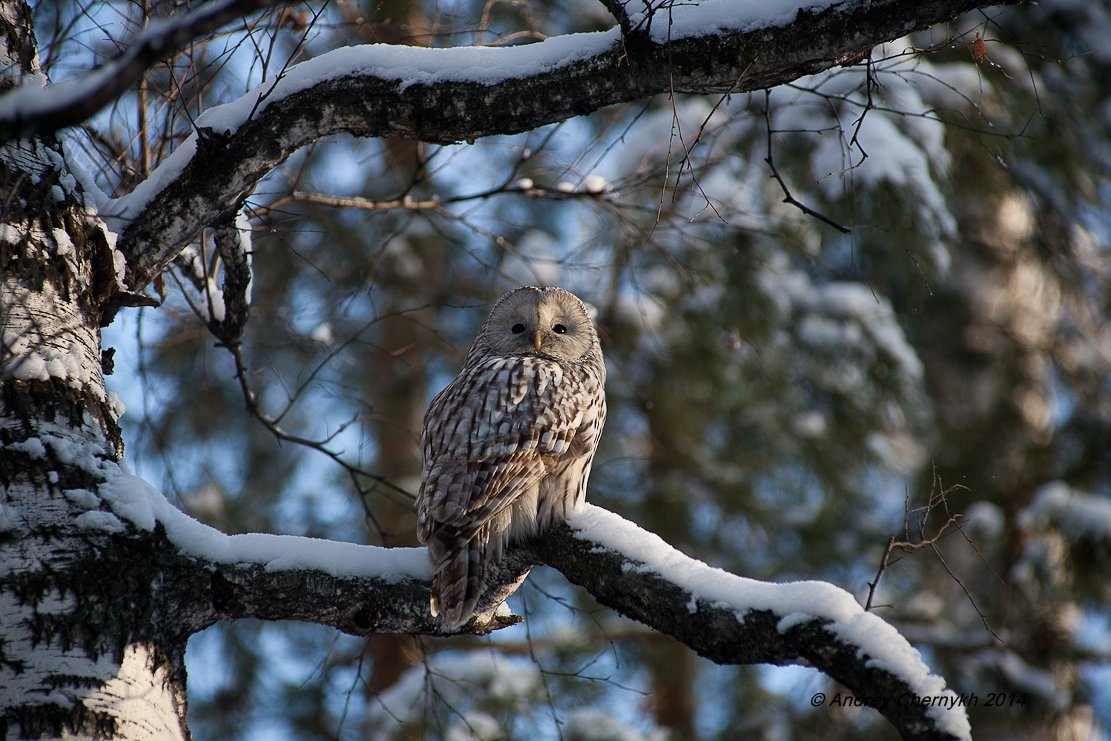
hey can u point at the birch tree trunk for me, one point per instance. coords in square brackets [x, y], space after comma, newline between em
[88, 646]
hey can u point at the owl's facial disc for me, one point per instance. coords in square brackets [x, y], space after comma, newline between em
[551, 322]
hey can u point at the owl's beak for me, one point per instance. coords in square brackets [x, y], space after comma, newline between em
[537, 340]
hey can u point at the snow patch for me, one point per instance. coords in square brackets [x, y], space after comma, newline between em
[243, 225]
[455, 680]
[97, 520]
[82, 498]
[119, 266]
[1079, 515]
[475, 726]
[49, 362]
[593, 724]
[46, 337]
[63, 245]
[10, 234]
[115, 403]
[133, 499]
[667, 21]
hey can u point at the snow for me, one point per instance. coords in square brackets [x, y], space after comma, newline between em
[1038, 682]
[32, 447]
[796, 602]
[30, 156]
[669, 22]
[475, 726]
[596, 183]
[83, 498]
[843, 314]
[323, 333]
[406, 66]
[97, 520]
[906, 152]
[215, 297]
[9, 518]
[243, 226]
[62, 243]
[809, 424]
[45, 337]
[1080, 515]
[10, 234]
[119, 267]
[115, 403]
[63, 446]
[47, 363]
[592, 724]
[134, 500]
[121, 211]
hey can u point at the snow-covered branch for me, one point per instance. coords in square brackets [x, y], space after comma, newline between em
[458, 94]
[32, 110]
[726, 618]
[733, 620]
[215, 576]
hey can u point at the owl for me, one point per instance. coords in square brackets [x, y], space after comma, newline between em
[507, 446]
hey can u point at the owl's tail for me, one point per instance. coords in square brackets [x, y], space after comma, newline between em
[458, 563]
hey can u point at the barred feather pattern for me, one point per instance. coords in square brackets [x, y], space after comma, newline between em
[508, 444]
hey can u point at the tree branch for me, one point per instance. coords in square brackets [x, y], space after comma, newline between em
[359, 605]
[427, 94]
[726, 618]
[31, 110]
[732, 620]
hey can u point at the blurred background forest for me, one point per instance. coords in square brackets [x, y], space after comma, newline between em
[843, 311]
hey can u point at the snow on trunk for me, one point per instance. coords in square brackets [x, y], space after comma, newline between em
[82, 650]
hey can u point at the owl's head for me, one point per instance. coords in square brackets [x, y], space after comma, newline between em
[539, 321]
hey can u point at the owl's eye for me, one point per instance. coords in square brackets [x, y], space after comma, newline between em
[517, 328]
[559, 329]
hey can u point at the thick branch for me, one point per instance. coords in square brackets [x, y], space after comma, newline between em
[212, 173]
[725, 618]
[356, 603]
[359, 605]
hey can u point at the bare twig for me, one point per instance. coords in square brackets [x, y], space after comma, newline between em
[938, 502]
[788, 197]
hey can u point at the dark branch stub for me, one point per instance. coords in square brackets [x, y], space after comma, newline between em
[235, 260]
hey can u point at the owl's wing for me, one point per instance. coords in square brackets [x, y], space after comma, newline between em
[492, 435]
